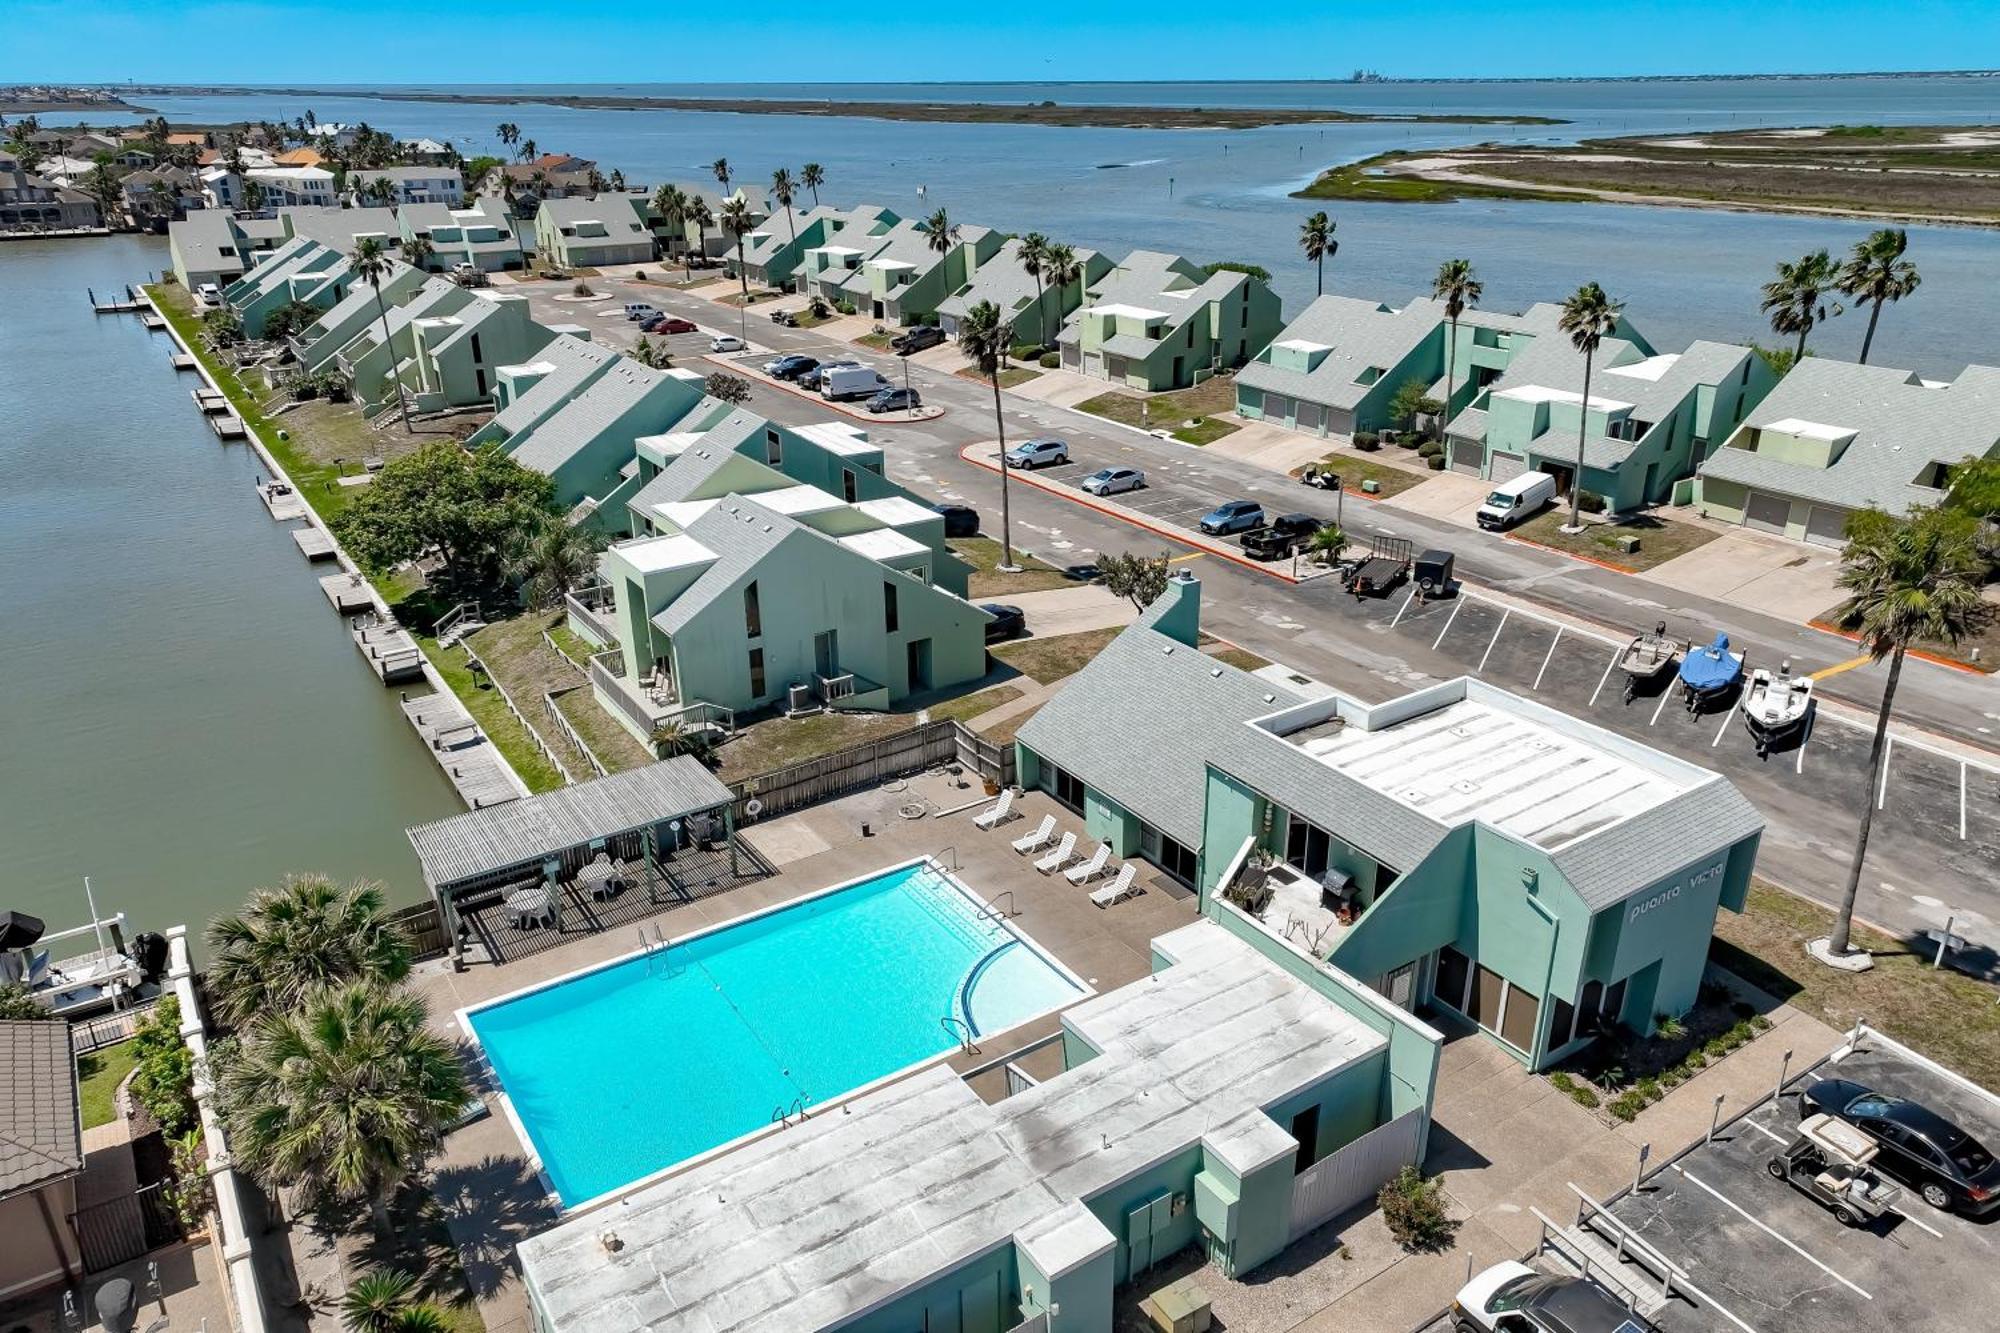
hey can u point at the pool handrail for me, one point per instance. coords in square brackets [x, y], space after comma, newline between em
[952, 1024]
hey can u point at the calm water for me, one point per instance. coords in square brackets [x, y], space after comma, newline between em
[184, 717]
[628, 1069]
[1222, 194]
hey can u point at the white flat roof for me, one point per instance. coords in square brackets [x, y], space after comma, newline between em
[1127, 311]
[1541, 393]
[680, 513]
[1302, 345]
[797, 500]
[650, 555]
[896, 511]
[529, 368]
[1472, 760]
[1811, 430]
[1651, 369]
[671, 444]
[816, 1225]
[838, 437]
[883, 544]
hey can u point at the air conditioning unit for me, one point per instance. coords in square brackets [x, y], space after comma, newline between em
[799, 699]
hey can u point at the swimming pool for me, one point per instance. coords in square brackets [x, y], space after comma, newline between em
[621, 1071]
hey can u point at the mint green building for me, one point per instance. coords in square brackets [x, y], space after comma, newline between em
[1156, 322]
[356, 308]
[895, 276]
[591, 231]
[775, 251]
[299, 270]
[1036, 310]
[1459, 848]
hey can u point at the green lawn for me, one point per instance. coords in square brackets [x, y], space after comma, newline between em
[1660, 539]
[878, 341]
[98, 1076]
[969, 706]
[1354, 181]
[773, 743]
[1354, 470]
[1009, 377]
[1049, 660]
[1171, 411]
[987, 583]
[489, 710]
[1241, 658]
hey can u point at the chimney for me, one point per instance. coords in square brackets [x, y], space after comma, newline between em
[1177, 613]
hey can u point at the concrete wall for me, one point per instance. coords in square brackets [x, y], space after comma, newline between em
[32, 1258]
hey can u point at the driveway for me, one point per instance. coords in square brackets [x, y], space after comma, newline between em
[1779, 577]
[1451, 496]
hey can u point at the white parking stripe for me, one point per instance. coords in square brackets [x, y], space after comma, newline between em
[1888, 749]
[1665, 695]
[1447, 623]
[1734, 704]
[1413, 597]
[1546, 660]
[1961, 800]
[1776, 1235]
[1616, 653]
[1481, 668]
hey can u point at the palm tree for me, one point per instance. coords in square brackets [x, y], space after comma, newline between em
[556, 560]
[528, 147]
[1911, 579]
[812, 175]
[418, 252]
[940, 232]
[1061, 267]
[160, 197]
[346, 1098]
[508, 132]
[650, 354]
[1795, 299]
[617, 180]
[1876, 274]
[984, 335]
[721, 169]
[736, 221]
[1034, 257]
[781, 195]
[253, 196]
[1327, 543]
[370, 262]
[292, 941]
[703, 218]
[672, 206]
[1588, 317]
[1457, 288]
[1316, 239]
[384, 1301]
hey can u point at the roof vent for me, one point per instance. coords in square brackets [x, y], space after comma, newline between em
[1412, 794]
[1216, 672]
[1465, 787]
[1270, 698]
[1167, 651]
[1462, 731]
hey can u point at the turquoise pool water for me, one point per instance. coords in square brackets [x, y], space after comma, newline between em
[625, 1070]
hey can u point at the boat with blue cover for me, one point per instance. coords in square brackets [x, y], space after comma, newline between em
[1709, 673]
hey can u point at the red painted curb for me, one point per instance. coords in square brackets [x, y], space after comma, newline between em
[1933, 658]
[1557, 550]
[758, 377]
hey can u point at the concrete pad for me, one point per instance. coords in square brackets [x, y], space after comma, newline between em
[947, 357]
[1758, 571]
[1062, 388]
[784, 842]
[1070, 610]
[1267, 446]
[1451, 496]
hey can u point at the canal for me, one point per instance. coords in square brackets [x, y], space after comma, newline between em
[182, 716]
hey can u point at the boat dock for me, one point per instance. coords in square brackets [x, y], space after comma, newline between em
[465, 753]
[228, 426]
[182, 361]
[127, 303]
[349, 593]
[313, 544]
[212, 402]
[392, 654]
[283, 502]
[153, 322]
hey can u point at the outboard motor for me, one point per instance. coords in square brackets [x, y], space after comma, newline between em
[149, 951]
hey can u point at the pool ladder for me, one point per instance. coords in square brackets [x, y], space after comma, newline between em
[656, 946]
[951, 850]
[994, 912]
[960, 1031]
[782, 1115]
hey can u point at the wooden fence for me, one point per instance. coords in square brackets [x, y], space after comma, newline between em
[871, 764]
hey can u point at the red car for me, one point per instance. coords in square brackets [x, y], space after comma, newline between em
[667, 324]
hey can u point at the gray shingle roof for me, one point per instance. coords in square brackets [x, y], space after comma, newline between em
[624, 385]
[523, 832]
[1902, 426]
[41, 1133]
[741, 532]
[1612, 865]
[574, 362]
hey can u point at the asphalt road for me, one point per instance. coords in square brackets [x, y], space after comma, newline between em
[1936, 845]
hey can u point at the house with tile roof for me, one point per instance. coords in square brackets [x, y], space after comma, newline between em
[1035, 309]
[41, 1156]
[589, 231]
[1834, 437]
[1460, 847]
[1156, 321]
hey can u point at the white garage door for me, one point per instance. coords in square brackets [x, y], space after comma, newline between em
[1506, 467]
[1828, 527]
[1767, 513]
[1340, 421]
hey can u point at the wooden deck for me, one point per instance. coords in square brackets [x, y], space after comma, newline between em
[283, 502]
[348, 593]
[154, 322]
[211, 401]
[229, 426]
[313, 544]
[182, 361]
[465, 753]
[389, 650]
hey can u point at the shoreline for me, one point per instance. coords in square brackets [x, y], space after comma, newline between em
[1068, 116]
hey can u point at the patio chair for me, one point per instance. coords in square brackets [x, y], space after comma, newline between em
[1118, 889]
[1058, 858]
[1034, 842]
[999, 814]
[1085, 871]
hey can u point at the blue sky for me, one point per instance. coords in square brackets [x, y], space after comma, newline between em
[515, 41]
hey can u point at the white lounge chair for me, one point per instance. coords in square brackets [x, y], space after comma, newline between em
[1034, 842]
[999, 814]
[1058, 858]
[1085, 871]
[1118, 889]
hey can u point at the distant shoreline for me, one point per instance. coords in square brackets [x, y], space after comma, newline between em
[1073, 115]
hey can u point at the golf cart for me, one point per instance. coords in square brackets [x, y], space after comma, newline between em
[1828, 1160]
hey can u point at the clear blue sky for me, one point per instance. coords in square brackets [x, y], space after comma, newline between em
[518, 41]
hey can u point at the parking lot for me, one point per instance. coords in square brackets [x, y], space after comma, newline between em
[1761, 1256]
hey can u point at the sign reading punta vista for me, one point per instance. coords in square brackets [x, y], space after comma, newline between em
[1661, 897]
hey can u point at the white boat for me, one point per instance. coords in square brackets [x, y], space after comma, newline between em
[1775, 705]
[107, 973]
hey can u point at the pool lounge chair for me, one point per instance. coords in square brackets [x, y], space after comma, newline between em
[1118, 889]
[1040, 838]
[1085, 871]
[1058, 858]
[999, 813]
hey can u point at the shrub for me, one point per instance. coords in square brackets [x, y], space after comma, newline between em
[818, 308]
[1627, 1107]
[1590, 502]
[1025, 352]
[1429, 449]
[1437, 462]
[1580, 1093]
[1251, 893]
[1669, 1026]
[1367, 441]
[163, 1068]
[845, 307]
[582, 288]
[1050, 360]
[639, 275]
[1414, 1211]
[18, 1005]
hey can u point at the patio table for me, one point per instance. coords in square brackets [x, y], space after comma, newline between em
[601, 878]
[531, 905]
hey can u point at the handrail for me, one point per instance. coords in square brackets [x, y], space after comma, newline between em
[1677, 1282]
[991, 911]
[952, 1024]
[1671, 1270]
[782, 1115]
[952, 847]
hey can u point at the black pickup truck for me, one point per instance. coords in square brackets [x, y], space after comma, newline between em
[1281, 537]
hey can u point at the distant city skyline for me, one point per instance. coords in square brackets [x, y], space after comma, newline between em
[150, 41]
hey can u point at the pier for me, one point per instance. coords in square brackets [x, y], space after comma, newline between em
[390, 651]
[283, 502]
[313, 544]
[349, 593]
[465, 753]
[210, 401]
[228, 426]
[182, 361]
[130, 302]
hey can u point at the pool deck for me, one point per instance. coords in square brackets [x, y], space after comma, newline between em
[493, 1198]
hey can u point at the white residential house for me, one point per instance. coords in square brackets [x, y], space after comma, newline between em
[407, 185]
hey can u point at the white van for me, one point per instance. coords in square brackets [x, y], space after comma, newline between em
[639, 310]
[1513, 501]
[848, 383]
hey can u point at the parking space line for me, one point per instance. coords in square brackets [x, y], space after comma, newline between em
[1447, 624]
[1182, 559]
[1961, 800]
[1481, 668]
[1616, 653]
[1727, 717]
[1839, 667]
[1661, 707]
[1882, 789]
[1406, 606]
[1805, 737]
[1776, 1235]
[1549, 658]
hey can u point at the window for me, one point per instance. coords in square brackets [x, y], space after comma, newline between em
[888, 608]
[756, 673]
[774, 449]
[1614, 1002]
[1517, 1024]
[1562, 1024]
[1178, 860]
[1306, 847]
[1068, 788]
[847, 484]
[475, 348]
[753, 614]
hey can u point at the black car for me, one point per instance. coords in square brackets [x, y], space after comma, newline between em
[917, 339]
[1284, 535]
[959, 520]
[1950, 1168]
[793, 366]
[1008, 622]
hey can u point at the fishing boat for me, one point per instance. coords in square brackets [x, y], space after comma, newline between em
[1708, 674]
[107, 973]
[1647, 657]
[1775, 706]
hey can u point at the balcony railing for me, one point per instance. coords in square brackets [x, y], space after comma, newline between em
[833, 688]
[593, 606]
[646, 706]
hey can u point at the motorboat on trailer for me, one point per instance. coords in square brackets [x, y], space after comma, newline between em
[1709, 673]
[1775, 707]
[1648, 657]
[111, 975]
